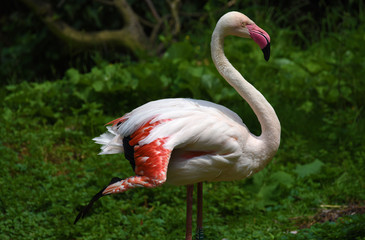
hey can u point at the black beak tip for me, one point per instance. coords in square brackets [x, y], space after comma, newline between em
[266, 51]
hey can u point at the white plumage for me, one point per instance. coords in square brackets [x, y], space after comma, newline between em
[187, 132]
[186, 141]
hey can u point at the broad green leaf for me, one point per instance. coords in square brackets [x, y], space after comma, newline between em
[308, 169]
[73, 75]
[283, 178]
[98, 86]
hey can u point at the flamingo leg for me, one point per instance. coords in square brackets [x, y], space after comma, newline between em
[189, 211]
[100, 194]
[200, 233]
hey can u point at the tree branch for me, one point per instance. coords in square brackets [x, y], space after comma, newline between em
[131, 36]
[153, 10]
[126, 12]
[174, 5]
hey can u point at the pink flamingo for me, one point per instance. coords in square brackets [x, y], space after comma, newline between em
[185, 141]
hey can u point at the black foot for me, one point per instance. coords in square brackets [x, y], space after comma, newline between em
[86, 208]
[199, 234]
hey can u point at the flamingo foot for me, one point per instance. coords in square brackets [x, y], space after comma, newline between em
[96, 197]
[199, 234]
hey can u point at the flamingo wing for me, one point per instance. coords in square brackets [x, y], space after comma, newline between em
[200, 136]
[181, 141]
[149, 161]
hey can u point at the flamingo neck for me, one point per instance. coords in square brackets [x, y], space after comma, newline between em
[268, 142]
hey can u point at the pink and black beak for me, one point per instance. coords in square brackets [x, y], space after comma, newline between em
[261, 38]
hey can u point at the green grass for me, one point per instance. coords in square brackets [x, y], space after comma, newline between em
[47, 175]
[49, 166]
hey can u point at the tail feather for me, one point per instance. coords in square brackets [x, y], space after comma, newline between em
[111, 142]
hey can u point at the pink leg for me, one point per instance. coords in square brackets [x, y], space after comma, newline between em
[200, 234]
[189, 211]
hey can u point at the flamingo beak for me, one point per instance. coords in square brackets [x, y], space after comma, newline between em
[261, 38]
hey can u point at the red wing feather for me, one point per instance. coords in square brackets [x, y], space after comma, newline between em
[151, 160]
[118, 120]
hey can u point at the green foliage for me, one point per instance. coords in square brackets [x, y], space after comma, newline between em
[29, 51]
[347, 228]
[308, 169]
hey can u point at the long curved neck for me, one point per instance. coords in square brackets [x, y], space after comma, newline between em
[270, 125]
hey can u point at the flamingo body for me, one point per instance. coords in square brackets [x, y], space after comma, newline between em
[182, 141]
[185, 141]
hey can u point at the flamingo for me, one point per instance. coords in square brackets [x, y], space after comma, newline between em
[185, 141]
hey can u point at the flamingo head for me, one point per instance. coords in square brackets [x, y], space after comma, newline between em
[238, 24]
